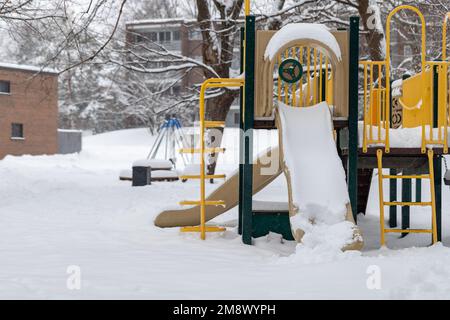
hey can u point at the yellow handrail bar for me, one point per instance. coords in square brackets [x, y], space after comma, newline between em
[408, 231]
[375, 104]
[419, 176]
[406, 203]
[209, 83]
[444, 36]
[445, 71]
[388, 57]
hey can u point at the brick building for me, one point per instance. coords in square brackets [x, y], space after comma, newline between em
[28, 110]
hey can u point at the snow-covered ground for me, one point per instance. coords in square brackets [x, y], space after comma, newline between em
[60, 211]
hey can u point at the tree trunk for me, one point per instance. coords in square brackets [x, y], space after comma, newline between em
[371, 20]
[217, 110]
[217, 51]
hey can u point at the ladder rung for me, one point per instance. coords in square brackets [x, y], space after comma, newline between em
[400, 203]
[408, 230]
[207, 229]
[210, 176]
[214, 124]
[206, 150]
[198, 203]
[420, 176]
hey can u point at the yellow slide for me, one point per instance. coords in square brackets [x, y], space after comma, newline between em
[227, 192]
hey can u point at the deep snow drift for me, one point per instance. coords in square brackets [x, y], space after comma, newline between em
[60, 211]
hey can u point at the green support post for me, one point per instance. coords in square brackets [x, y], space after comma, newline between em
[437, 161]
[249, 110]
[418, 190]
[352, 167]
[241, 144]
[392, 198]
[438, 194]
[406, 197]
[435, 96]
[323, 94]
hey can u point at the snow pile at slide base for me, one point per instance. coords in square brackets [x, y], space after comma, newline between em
[296, 31]
[319, 188]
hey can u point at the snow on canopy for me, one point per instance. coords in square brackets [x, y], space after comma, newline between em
[299, 31]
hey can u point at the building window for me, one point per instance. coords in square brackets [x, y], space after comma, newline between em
[145, 37]
[5, 86]
[165, 36]
[17, 131]
[138, 38]
[176, 35]
[152, 36]
[195, 35]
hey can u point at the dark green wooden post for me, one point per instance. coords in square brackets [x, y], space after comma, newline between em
[406, 197]
[241, 143]
[437, 161]
[438, 196]
[435, 96]
[247, 183]
[418, 190]
[323, 94]
[392, 198]
[352, 167]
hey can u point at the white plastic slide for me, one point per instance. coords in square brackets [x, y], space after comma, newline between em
[318, 196]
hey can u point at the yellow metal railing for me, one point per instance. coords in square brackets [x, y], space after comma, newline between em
[377, 95]
[203, 150]
[382, 203]
[430, 136]
[247, 7]
[318, 77]
[445, 89]
[376, 113]
[444, 36]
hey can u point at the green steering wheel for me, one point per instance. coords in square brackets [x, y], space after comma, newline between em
[290, 70]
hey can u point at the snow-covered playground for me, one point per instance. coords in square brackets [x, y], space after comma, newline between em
[62, 211]
[224, 150]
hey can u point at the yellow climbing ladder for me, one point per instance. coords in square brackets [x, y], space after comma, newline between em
[203, 150]
[383, 203]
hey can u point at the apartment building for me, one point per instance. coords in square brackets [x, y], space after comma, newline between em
[180, 36]
[183, 37]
